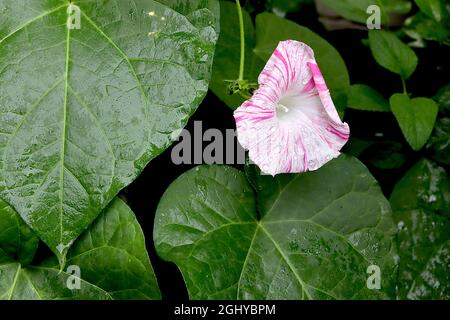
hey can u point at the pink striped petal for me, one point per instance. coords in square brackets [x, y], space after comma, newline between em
[291, 124]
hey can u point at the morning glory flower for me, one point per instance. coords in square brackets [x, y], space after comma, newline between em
[290, 124]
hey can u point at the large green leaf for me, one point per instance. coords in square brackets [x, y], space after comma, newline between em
[426, 186]
[314, 236]
[391, 53]
[16, 238]
[416, 118]
[111, 257]
[424, 237]
[424, 247]
[83, 111]
[362, 97]
[271, 29]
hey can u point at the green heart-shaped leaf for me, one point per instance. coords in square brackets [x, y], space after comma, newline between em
[416, 118]
[110, 256]
[305, 236]
[424, 238]
[424, 247]
[82, 111]
[362, 97]
[391, 53]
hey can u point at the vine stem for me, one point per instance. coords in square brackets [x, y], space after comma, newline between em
[405, 91]
[241, 28]
[244, 95]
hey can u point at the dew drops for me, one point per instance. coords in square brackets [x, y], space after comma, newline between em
[277, 149]
[30, 171]
[202, 189]
[312, 164]
[265, 168]
[396, 259]
[132, 14]
[282, 108]
[293, 245]
[298, 152]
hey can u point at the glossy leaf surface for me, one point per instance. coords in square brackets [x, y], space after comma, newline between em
[307, 236]
[82, 111]
[110, 256]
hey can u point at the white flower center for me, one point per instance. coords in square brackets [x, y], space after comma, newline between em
[289, 106]
[282, 107]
